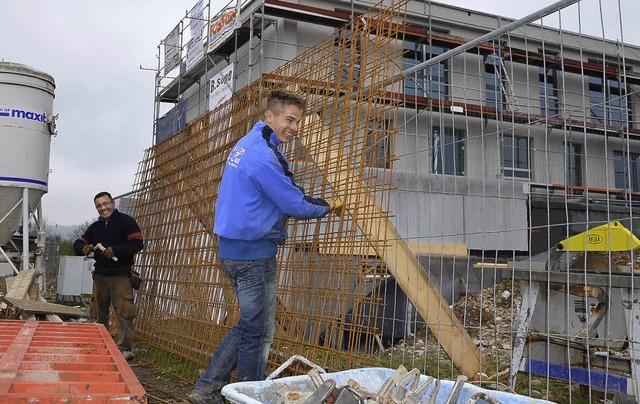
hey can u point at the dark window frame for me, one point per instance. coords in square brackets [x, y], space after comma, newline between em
[514, 166]
[437, 75]
[448, 151]
[626, 166]
[345, 42]
[494, 94]
[377, 144]
[548, 78]
[573, 163]
[609, 104]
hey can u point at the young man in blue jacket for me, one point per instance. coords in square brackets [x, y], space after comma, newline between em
[257, 194]
[120, 238]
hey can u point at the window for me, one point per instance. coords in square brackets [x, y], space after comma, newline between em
[378, 146]
[627, 170]
[548, 92]
[425, 83]
[347, 58]
[494, 96]
[448, 151]
[618, 108]
[573, 164]
[608, 102]
[515, 157]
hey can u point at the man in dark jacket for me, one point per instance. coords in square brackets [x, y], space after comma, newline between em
[115, 237]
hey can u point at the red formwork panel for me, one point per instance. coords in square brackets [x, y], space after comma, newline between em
[45, 362]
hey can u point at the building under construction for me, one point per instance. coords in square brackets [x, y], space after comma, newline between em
[466, 147]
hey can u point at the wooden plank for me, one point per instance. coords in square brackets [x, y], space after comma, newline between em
[44, 308]
[39, 298]
[435, 249]
[50, 317]
[33, 292]
[399, 259]
[424, 248]
[490, 265]
[19, 285]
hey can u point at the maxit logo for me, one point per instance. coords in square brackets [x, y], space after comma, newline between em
[22, 114]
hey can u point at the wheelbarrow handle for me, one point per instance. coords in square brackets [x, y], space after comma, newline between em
[288, 363]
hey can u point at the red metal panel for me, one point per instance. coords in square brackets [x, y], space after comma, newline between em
[48, 362]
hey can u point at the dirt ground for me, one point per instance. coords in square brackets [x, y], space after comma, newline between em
[160, 388]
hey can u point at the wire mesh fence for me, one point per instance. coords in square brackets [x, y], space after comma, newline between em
[460, 176]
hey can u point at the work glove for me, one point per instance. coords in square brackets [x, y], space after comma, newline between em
[107, 253]
[86, 250]
[336, 206]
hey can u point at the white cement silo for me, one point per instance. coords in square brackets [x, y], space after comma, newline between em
[26, 126]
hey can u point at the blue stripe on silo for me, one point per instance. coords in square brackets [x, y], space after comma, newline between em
[27, 180]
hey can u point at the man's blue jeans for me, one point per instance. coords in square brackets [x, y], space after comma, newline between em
[247, 344]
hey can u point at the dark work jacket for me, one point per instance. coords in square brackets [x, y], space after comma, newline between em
[122, 234]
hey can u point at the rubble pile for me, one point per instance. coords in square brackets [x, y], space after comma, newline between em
[487, 317]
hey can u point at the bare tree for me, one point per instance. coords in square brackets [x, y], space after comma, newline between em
[79, 230]
[33, 227]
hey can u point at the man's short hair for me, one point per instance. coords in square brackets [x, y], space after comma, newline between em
[101, 194]
[280, 97]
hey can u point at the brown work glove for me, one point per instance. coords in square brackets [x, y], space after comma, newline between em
[336, 206]
[86, 250]
[107, 253]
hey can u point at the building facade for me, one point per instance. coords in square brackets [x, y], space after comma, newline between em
[511, 145]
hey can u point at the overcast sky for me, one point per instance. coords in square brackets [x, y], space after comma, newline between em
[94, 50]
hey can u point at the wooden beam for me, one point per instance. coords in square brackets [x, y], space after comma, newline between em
[439, 250]
[424, 248]
[30, 306]
[39, 298]
[399, 259]
[50, 317]
[18, 287]
[490, 265]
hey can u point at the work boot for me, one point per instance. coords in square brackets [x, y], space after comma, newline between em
[128, 355]
[197, 397]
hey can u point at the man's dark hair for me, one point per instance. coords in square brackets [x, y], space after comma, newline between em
[279, 97]
[101, 194]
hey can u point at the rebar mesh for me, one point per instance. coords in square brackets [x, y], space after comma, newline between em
[330, 270]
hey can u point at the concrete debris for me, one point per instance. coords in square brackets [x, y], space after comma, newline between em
[505, 296]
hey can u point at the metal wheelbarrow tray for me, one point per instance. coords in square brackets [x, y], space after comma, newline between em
[266, 392]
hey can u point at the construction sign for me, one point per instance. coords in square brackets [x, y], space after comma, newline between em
[221, 87]
[172, 50]
[223, 25]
